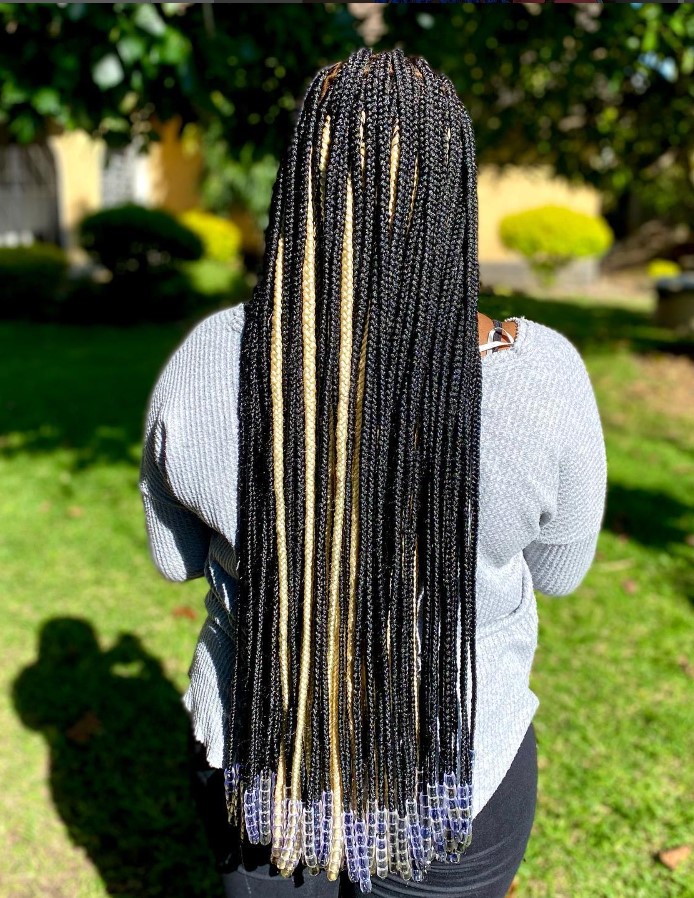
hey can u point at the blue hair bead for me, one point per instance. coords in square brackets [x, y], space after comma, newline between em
[392, 841]
[381, 843]
[251, 808]
[265, 815]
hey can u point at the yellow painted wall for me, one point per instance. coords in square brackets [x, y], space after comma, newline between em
[173, 173]
[78, 160]
[174, 168]
[517, 189]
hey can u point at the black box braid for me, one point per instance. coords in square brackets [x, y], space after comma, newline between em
[359, 483]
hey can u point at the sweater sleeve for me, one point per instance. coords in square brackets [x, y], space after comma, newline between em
[561, 555]
[178, 539]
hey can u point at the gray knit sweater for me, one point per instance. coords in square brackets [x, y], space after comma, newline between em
[542, 497]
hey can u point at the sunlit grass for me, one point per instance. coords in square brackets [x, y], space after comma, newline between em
[94, 797]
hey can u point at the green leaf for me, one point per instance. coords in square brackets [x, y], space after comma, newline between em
[24, 128]
[108, 72]
[650, 39]
[425, 20]
[148, 19]
[47, 101]
[75, 11]
[11, 94]
[131, 48]
[676, 24]
[113, 123]
[128, 103]
[175, 47]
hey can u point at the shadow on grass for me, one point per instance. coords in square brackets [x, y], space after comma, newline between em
[82, 389]
[119, 777]
[86, 388]
[648, 517]
[653, 519]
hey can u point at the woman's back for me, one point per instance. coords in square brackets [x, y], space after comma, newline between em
[542, 493]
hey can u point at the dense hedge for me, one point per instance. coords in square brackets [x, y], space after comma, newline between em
[132, 239]
[157, 269]
[32, 279]
[143, 249]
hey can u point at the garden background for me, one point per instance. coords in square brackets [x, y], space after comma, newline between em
[138, 144]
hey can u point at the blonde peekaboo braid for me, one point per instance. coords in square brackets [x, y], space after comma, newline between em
[351, 736]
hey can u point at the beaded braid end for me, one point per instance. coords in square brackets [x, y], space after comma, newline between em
[437, 825]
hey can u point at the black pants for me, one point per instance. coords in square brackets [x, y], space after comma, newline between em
[500, 835]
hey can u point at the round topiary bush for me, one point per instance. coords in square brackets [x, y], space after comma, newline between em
[32, 279]
[145, 251]
[129, 239]
[550, 237]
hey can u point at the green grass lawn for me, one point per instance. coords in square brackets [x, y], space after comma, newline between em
[97, 644]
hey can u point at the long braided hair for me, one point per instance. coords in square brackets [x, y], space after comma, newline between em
[352, 700]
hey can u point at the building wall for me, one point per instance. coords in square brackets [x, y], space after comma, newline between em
[79, 160]
[168, 176]
[174, 167]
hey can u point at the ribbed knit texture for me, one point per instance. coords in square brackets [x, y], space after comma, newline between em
[542, 497]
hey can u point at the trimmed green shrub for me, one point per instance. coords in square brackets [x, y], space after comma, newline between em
[32, 279]
[160, 295]
[221, 238]
[550, 237]
[144, 249]
[83, 303]
[130, 239]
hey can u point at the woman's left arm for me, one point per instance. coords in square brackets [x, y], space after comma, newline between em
[178, 539]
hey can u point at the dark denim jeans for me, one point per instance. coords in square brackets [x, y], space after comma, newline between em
[500, 835]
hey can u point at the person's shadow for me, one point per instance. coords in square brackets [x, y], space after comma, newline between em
[117, 735]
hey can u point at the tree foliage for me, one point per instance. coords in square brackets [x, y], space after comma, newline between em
[110, 69]
[603, 94]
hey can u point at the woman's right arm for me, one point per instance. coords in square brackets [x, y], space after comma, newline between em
[561, 555]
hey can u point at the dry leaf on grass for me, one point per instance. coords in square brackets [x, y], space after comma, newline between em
[184, 611]
[673, 857]
[513, 891]
[630, 586]
[83, 729]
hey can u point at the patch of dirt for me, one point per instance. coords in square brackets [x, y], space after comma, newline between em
[666, 385]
